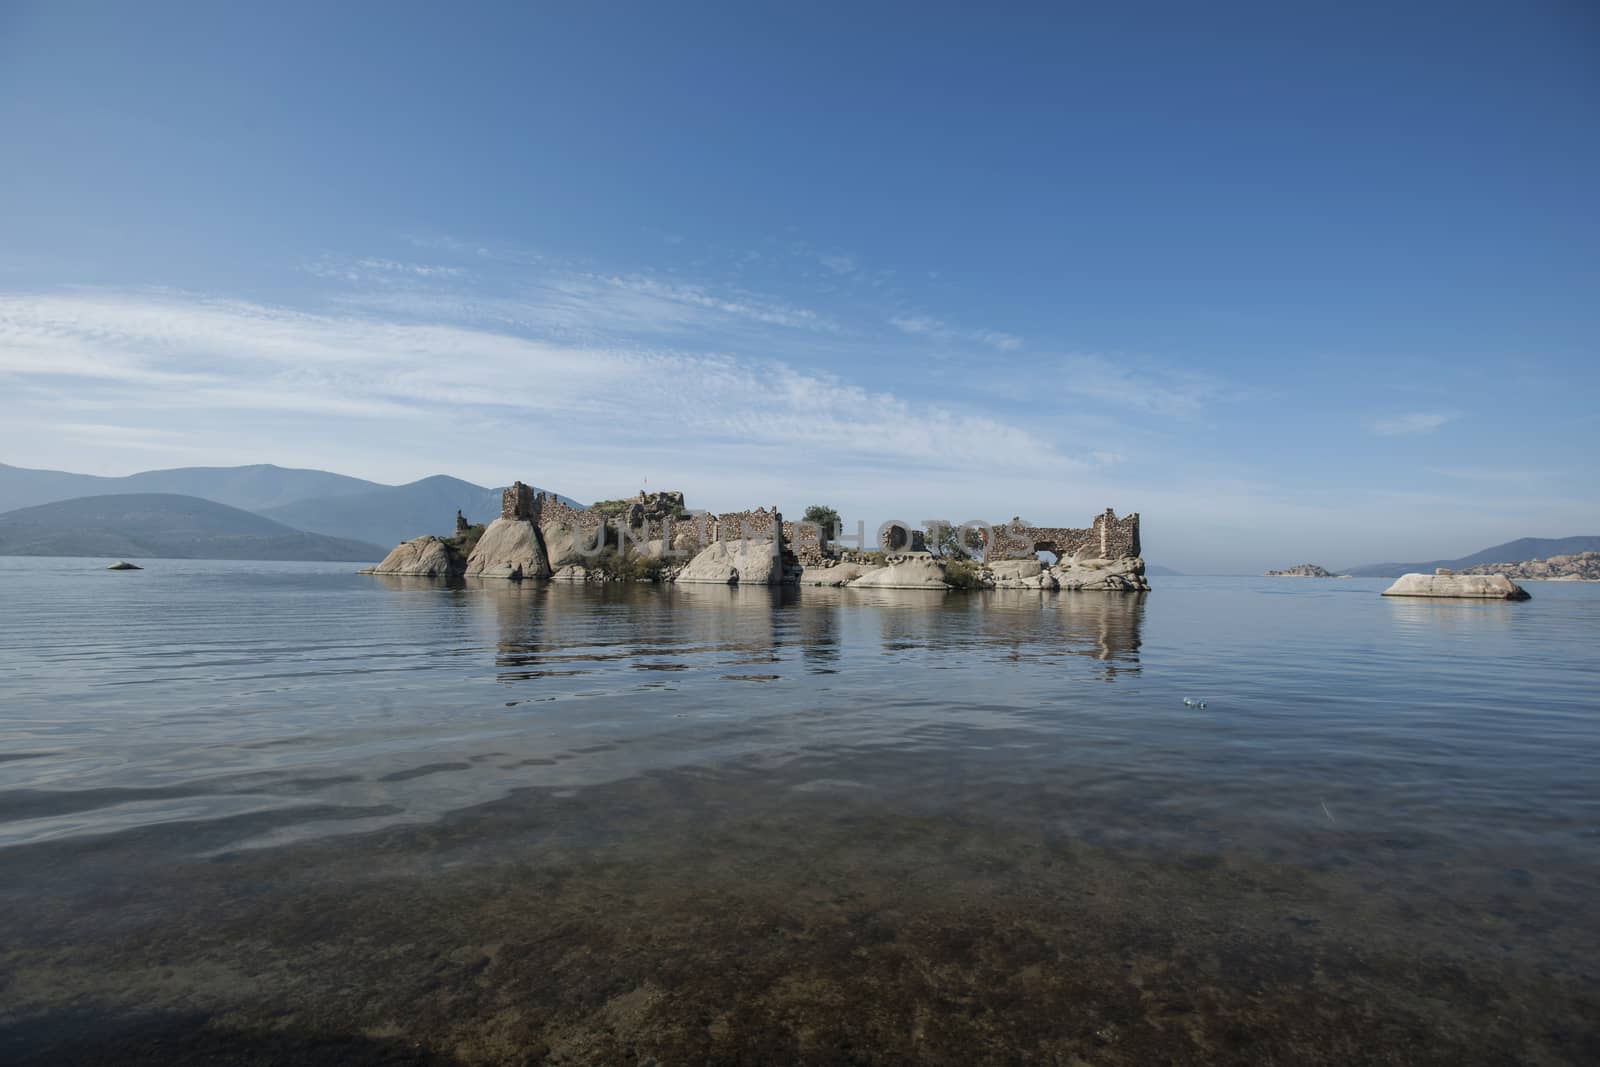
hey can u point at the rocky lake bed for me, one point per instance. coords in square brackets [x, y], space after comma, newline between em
[300, 814]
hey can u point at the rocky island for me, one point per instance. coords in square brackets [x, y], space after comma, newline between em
[1576, 567]
[655, 537]
[1304, 570]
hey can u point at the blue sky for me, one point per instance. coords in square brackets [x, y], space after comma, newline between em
[1293, 281]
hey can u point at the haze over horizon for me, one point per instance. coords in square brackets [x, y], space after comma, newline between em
[1293, 284]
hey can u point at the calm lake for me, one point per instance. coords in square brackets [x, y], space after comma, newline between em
[282, 812]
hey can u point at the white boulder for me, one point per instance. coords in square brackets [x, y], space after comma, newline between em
[421, 557]
[509, 548]
[729, 562]
[1020, 574]
[1470, 586]
[563, 545]
[1109, 575]
[905, 574]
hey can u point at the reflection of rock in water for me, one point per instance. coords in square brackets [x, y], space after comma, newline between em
[1107, 625]
[1102, 626]
[556, 629]
[402, 583]
[814, 621]
[1463, 617]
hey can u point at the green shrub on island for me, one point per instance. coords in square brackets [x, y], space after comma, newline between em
[617, 566]
[462, 544]
[953, 542]
[619, 508]
[963, 574]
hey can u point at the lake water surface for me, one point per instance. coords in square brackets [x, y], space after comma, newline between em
[272, 812]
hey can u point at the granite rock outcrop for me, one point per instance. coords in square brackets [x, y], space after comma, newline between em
[420, 557]
[509, 548]
[909, 572]
[1457, 586]
[1574, 567]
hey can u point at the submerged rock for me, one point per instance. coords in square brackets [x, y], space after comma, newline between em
[124, 565]
[509, 548]
[1467, 586]
[421, 557]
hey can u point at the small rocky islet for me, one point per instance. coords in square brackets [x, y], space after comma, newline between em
[654, 537]
[1305, 570]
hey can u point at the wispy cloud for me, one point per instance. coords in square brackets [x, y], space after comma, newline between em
[1411, 423]
[1139, 387]
[109, 435]
[1489, 474]
[739, 305]
[938, 330]
[373, 269]
[154, 352]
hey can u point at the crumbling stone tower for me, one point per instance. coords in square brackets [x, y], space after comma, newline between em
[520, 502]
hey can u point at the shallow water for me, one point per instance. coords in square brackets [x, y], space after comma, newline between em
[270, 811]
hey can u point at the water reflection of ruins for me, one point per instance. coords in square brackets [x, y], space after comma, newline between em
[1107, 626]
[1020, 625]
[609, 637]
[612, 630]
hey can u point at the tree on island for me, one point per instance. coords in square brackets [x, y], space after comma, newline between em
[823, 516]
[953, 542]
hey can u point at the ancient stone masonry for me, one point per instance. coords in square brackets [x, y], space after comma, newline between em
[758, 525]
[896, 538]
[805, 540]
[647, 516]
[1104, 555]
[1107, 538]
[517, 502]
[1119, 538]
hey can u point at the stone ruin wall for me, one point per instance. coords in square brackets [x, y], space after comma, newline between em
[1119, 538]
[1108, 537]
[521, 502]
[804, 539]
[517, 502]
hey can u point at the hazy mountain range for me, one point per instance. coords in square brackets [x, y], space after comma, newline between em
[384, 513]
[164, 526]
[334, 505]
[1518, 551]
[263, 509]
[253, 488]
